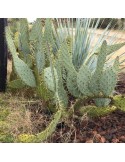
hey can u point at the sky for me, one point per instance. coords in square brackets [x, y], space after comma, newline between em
[31, 19]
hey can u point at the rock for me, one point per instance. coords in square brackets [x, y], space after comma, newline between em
[94, 132]
[122, 138]
[115, 140]
[89, 141]
[98, 137]
[108, 136]
[102, 140]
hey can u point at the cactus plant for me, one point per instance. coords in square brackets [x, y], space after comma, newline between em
[38, 46]
[98, 83]
[29, 61]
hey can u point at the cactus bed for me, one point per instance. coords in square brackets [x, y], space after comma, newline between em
[63, 86]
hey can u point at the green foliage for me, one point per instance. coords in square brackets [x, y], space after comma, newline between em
[83, 39]
[5, 135]
[89, 73]
[14, 24]
[24, 36]
[4, 112]
[36, 30]
[93, 111]
[26, 138]
[83, 80]
[48, 78]
[75, 68]
[16, 84]
[61, 94]
[29, 63]
[97, 83]
[119, 102]
[24, 72]
[102, 102]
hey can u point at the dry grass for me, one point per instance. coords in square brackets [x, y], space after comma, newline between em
[25, 115]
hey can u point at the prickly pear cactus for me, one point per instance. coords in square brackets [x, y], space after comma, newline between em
[102, 102]
[16, 84]
[104, 79]
[48, 78]
[24, 36]
[66, 59]
[71, 78]
[40, 60]
[108, 81]
[111, 48]
[72, 84]
[83, 80]
[61, 94]
[21, 68]
[114, 47]
[48, 33]
[51, 127]
[24, 72]
[36, 30]
[94, 83]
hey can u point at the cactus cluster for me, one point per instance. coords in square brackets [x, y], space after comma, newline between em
[29, 56]
[36, 66]
[89, 76]
[98, 83]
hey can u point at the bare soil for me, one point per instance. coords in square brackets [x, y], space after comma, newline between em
[107, 129]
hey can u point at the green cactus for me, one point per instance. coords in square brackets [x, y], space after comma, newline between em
[66, 58]
[72, 84]
[83, 80]
[24, 72]
[71, 78]
[61, 94]
[119, 102]
[98, 84]
[111, 48]
[21, 68]
[48, 78]
[16, 84]
[104, 80]
[108, 81]
[93, 111]
[36, 30]
[48, 33]
[28, 72]
[102, 102]
[24, 36]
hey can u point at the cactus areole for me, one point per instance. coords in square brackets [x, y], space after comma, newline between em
[3, 55]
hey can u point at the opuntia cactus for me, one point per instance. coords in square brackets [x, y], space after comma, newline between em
[98, 83]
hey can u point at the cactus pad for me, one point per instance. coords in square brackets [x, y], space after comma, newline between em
[83, 80]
